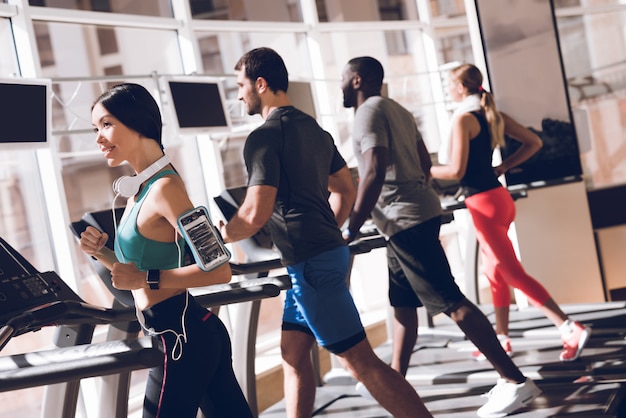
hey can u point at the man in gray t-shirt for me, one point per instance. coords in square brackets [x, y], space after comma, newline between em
[406, 199]
[394, 188]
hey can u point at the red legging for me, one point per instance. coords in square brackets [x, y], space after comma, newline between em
[492, 212]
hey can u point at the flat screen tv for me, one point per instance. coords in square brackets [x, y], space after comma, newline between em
[198, 103]
[301, 97]
[25, 112]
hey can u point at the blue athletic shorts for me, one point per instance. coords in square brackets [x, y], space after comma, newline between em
[319, 302]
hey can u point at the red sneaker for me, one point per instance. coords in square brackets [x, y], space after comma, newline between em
[574, 344]
[506, 344]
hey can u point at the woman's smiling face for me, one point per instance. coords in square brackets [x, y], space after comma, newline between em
[114, 139]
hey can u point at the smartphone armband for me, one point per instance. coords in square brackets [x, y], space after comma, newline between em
[203, 238]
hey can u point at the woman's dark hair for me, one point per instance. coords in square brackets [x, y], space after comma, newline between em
[266, 63]
[135, 107]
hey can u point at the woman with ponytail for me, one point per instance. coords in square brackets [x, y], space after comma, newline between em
[477, 128]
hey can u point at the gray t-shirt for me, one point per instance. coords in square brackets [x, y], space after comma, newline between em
[406, 199]
[291, 152]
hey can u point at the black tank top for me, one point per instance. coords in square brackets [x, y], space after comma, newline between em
[479, 175]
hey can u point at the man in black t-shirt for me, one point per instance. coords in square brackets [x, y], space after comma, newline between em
[300, 184]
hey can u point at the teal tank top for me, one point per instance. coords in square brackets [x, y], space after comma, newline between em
[131, 246]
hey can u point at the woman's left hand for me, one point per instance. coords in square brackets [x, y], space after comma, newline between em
[127, 277]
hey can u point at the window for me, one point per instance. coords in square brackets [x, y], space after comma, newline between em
[357, 11]
[160, 8]
[593, 47]
[86, 50]
[23, 226]
[254, 11]
[8, 63]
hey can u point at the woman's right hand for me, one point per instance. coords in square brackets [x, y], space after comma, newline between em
[92, 240]
[499, 170]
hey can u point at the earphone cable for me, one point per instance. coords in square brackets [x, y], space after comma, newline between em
[181, 338]
[115, 242]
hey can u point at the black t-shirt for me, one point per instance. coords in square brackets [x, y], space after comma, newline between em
[291, 152]
[479, 175]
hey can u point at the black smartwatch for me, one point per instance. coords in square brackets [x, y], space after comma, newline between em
[153, 278]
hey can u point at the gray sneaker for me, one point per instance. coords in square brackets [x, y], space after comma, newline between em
[506, 397]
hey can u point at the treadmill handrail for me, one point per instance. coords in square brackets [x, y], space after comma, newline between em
[71, 312]
[55, 313]
[363, 244]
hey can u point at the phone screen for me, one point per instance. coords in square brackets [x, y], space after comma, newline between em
[203, 239]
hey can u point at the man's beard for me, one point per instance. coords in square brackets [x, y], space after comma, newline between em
[254, 104]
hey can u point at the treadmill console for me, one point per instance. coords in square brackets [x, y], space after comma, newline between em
[22, 287]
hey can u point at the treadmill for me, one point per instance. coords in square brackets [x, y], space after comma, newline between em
[31, 300]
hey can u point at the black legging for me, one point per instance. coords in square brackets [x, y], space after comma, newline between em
[203, 376]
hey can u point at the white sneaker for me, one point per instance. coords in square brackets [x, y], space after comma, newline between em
[362, 390]
[506, 397]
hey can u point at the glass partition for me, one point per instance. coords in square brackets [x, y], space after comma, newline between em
[593, 47]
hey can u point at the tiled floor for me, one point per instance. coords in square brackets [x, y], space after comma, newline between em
[450, 382]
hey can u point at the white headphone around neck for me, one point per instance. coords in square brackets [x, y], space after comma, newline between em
[128, 186]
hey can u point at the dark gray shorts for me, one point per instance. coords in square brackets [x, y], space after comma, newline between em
[419, 272]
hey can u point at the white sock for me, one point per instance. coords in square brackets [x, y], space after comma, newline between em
[566, 327]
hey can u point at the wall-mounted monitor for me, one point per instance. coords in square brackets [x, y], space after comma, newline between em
[301, 97]
[25, 112]
[198, 104]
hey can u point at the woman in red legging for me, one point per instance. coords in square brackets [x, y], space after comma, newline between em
[477, 128]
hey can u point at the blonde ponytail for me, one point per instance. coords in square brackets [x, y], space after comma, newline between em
[472, 79]
[494, 119]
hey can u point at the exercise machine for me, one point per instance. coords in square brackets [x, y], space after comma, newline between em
[31, 300]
